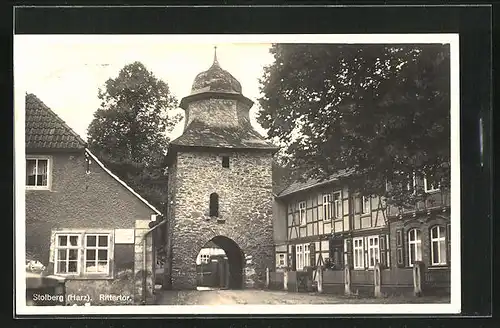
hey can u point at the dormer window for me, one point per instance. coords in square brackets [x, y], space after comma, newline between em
[214, 205]
[225, 161]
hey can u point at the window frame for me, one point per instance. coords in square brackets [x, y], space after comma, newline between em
[299, 257]
[416, 244]
[440, 239]
[204, 258]
[302, 213]
[49, 171]
[413, 187]
[364, 199]
[355, 249]
[307, 255]
[82, 253]
[226, 162]
[281, 260]
[433, 187]
[302, 256]
[327, 207]
[337, 205]
[67, 248]
[96, 248]
[214, 205]
[373, 247]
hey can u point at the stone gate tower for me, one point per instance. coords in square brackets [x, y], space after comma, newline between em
[220, 185]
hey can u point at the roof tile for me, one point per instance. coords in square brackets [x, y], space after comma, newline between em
[198, 134]
[311, 183]
[46, 130]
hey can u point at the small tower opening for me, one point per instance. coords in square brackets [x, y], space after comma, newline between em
[214, 205]
[225, 161]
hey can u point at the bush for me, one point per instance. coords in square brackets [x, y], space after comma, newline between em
[35, 266]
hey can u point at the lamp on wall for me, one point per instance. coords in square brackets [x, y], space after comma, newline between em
[88, 161]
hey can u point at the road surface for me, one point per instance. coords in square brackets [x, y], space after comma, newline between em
[248, 296]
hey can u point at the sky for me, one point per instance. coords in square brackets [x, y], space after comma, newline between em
[66, 71]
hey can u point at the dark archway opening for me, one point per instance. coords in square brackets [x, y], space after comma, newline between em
[222, 269]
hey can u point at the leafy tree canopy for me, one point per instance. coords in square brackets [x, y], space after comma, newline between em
[382, 111]
[129, 130]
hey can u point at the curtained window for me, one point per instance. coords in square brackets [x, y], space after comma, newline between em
[37, 173]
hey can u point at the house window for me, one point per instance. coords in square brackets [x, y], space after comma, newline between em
[281, 260]
[337, 204]
[82, 253]
[225, 161]
[204, 258]
[414, 246]
[37, 173]
[431, 183]
[302, 256]
[327, 207]
[214, 205]
[299, 257]
[438, 245]
[67, 254]
[302, 213]
[97, 253]
[365, 205]
[373, 251]
[358, 252]
[411, 184]
[307, 255]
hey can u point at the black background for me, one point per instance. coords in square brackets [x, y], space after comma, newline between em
[473, 23]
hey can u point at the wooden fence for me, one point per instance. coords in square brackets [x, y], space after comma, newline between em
[378, 282]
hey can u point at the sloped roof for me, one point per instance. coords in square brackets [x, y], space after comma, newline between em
[122, 182]
[311, 183]
[216, 79]
[198, 134]
[46, 130]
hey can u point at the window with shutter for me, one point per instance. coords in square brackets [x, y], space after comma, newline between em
[365, 248]
[294, 259]
[399, 248]
[383, 251]
[388, 250]
[312, 250]
[347, 257]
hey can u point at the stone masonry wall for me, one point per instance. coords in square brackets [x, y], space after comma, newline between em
[213, 112]
[141, 227]
[245, 205]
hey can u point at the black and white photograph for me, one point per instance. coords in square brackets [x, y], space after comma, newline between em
[216, 174]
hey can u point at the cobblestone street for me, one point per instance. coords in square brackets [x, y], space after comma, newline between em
[236, 297]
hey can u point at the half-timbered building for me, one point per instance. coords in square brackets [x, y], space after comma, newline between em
[325, 223]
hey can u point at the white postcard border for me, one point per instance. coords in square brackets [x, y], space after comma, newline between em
[19, 141]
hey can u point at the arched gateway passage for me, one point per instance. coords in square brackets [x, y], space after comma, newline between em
[221, 270]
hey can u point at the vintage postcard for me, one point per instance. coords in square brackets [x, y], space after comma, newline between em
[215, 174]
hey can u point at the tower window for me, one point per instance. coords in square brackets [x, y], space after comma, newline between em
[214, 205]
[225, 161]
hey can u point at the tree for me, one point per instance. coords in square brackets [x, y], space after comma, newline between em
[129, 130]
[381, 111]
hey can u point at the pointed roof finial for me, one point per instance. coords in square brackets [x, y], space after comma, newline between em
[216, 62]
